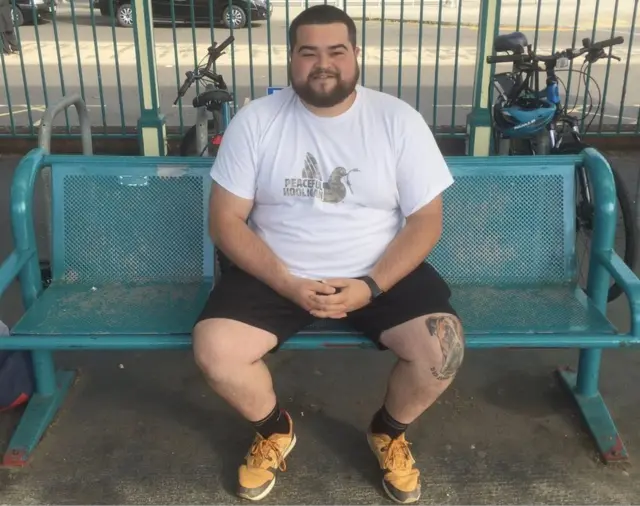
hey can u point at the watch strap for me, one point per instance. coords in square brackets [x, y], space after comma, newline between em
[373, 286]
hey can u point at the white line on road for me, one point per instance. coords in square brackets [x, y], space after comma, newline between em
[257, 54]
[243, 54]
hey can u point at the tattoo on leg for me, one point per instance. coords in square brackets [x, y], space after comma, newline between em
[448, 330]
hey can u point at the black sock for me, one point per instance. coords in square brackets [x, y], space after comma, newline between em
[274, 423]
[384, 423]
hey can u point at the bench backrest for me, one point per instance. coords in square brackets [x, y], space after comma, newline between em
[129, 219]
[508, 220]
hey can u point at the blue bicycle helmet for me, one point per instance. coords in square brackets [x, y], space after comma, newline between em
[525, 118]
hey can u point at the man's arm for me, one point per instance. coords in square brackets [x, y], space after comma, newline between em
[234, 174]
[422, 176]
[228, 227]
[411, 246]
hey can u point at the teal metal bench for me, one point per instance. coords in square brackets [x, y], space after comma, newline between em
[132, 265]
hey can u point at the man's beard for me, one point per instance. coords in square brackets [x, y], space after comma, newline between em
[329, 98]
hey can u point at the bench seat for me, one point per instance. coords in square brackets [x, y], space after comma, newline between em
[171, 309]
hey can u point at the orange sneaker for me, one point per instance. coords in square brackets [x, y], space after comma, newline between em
[256, 477]
[401, 479]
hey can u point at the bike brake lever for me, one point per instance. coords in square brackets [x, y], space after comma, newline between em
[595, 54]
[615, 57]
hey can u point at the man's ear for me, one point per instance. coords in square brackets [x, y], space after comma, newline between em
[357, 52]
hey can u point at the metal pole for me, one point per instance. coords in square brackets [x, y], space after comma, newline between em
[46, 125]
[479, 119]
[151, 124]
[44, 141]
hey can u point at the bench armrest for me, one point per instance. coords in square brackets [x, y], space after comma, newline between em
[11, 267]
[628, 281]
[24, 260]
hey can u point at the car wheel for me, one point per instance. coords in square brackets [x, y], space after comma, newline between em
[18, 16]
[234, 17]
[124, 15]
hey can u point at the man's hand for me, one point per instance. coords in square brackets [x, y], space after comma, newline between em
[352, 295]
[306, 293]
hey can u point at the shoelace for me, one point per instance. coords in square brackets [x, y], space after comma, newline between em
[262, 450]
[398, 456]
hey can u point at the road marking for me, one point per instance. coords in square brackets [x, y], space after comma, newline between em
[13, 113]
[24, 108]
[243, 54]
[258, 54]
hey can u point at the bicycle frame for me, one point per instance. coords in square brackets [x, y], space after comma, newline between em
[222, 118]
[214, 99]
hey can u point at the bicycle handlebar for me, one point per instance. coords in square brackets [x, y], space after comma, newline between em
[224, 45]
[588, 47]
[607, 43]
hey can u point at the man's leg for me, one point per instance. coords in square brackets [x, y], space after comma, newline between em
[415, 320]
[242, 321]
[430, 350]
[229, 353]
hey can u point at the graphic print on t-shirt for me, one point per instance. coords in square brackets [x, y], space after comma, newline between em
[312, 185]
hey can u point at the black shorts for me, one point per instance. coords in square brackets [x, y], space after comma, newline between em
[239, 296]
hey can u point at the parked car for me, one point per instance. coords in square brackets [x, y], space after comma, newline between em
[237, 13]
[23, 14]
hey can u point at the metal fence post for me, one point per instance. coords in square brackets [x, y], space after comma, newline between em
[479, 120]
[152, 131]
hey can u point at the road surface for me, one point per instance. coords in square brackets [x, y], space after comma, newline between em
[101, 64]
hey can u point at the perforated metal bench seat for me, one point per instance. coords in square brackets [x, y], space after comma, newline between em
[171, 309]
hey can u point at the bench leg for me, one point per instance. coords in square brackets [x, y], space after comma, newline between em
[51, 389]
[583, 387]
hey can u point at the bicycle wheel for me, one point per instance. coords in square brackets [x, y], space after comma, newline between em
[626, 237]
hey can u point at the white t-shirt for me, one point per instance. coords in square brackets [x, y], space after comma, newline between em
[330, 194]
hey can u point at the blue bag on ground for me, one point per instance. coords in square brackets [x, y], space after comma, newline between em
[16, 376]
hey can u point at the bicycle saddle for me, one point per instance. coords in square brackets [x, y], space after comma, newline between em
[516, 42]
[212, 96]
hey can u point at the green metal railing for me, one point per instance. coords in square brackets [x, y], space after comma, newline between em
[422, 51]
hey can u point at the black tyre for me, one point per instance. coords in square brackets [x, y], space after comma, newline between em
[625, 229]
[234, 17]
[188, 145]
[18, 16]
[124, 15]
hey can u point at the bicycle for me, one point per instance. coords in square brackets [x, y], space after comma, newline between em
[215, 100]
[527, 120]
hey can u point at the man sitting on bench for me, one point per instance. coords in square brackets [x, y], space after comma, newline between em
[312, 187]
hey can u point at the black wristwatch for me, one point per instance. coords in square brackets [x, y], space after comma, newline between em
[373, 286]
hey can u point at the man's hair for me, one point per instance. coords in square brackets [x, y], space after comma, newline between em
[322, 14]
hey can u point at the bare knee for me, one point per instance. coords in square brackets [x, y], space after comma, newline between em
[221, 347]
[435, 341]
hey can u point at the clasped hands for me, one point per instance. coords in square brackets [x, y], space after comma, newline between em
[329, 298]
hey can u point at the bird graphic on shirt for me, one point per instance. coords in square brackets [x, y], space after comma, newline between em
[334, 190]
